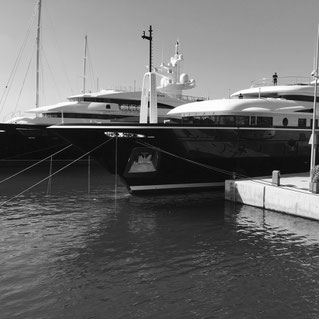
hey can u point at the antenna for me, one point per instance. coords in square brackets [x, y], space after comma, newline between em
[176, 47]
[149, 97]
[150, 38]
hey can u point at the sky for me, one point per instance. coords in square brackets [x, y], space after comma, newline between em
[226, 45]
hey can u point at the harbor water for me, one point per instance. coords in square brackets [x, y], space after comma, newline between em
[70, 253]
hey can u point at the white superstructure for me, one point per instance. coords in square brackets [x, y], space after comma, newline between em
[295, 88]
[117, 105]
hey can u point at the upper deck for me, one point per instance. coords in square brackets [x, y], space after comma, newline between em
[285, 80]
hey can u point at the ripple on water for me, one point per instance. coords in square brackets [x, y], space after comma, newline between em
[74, 255]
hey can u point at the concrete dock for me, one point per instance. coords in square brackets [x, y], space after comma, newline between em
[290, 196]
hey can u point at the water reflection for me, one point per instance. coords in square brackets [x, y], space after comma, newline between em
[277, 226]
[74, 255]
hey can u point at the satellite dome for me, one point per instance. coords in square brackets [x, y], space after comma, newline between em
[184, 78]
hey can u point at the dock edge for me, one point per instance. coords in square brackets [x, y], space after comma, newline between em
[271, 197]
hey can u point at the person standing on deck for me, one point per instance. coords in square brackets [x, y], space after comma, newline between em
[274, 78]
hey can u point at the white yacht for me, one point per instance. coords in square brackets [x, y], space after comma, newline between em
[117, 105]
[206, 143]
[296, 88]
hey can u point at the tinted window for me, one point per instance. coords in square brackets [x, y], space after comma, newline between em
[242, 120]
[264, 121]
[302, 122]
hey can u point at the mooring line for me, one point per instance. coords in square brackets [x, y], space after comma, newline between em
[35, 164]
[56, 172]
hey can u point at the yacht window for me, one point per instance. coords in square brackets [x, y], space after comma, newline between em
[51, 115]
[253, 120]
[196, 119]
[187, 120]
[108, 106]
[214, 119]
[242, 120]
[311, 121]
[227, 120]
[78, 99]
[264, 121]
[302, 122]
[285, 122]
[78, 115]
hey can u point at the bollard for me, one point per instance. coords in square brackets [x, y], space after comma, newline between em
[276, 178]
[314, 181]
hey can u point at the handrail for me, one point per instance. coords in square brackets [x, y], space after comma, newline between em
[191, 98]
[284, 80]
[99, 98]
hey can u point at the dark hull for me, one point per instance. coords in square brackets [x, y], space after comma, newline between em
[163, 157]
[23, 145]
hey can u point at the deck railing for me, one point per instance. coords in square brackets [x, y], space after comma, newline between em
[189, 98]
[285, 80]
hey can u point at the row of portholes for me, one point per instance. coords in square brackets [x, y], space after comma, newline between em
[131, 108]
[124, 107]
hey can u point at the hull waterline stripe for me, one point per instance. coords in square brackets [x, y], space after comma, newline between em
[173, 186]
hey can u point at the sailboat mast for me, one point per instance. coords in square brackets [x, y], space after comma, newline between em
[84, 64]
[38, 56]
[314, 114]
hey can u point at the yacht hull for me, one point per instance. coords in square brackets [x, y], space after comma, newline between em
[163, 157]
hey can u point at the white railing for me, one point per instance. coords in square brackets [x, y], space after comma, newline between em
[285, 80]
